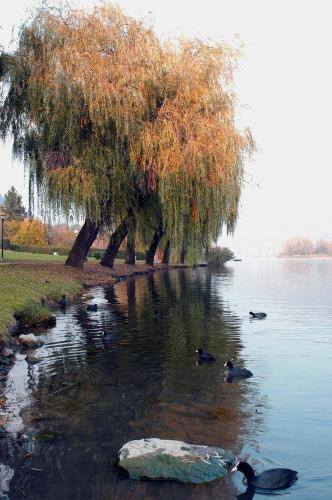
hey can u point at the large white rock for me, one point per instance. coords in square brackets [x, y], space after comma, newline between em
[30, 340]
[155, 458]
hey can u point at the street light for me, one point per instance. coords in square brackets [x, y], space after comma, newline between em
[2, 217]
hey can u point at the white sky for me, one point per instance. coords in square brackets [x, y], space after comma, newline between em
[284, 85]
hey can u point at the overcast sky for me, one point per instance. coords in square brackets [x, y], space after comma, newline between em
[284, 87]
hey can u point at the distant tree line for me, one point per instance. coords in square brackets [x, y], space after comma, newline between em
[305, 246]
[23, 230]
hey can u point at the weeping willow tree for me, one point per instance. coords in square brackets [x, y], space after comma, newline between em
[193, 147]
[79, 88]
[104, 116]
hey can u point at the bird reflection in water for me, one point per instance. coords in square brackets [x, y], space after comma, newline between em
[248, 494]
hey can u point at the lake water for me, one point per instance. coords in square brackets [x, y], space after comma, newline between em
[87, 397]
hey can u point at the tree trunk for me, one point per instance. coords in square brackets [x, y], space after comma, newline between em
[82, 244]
[183, 255]
[130, 249]
[167, 253]
[149, 259]
[114, 244]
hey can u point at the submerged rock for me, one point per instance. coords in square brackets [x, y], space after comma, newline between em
[155, 458]
[30, 340]
[32, 360]
[7, 353]
[6, 356]
[47, 435]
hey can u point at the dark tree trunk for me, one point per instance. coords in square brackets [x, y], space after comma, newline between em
[167, 253]
[149, 259]
[183, 255]
[114, 244]
[130, 249]
[82, 244]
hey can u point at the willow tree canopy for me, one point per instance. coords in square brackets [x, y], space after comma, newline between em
[103, 114]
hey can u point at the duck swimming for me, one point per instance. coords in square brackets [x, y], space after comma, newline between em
[258, 315]
[236, 372]
[272, 479]
[205, 356]
[92, 307]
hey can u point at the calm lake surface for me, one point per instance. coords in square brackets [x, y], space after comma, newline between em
[88, 397]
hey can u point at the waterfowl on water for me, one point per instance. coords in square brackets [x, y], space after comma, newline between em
[204, 356]
[63, 301]
[258, 315]
[272, 479]
[232, 371]
[92, 307]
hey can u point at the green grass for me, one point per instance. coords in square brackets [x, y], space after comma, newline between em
[22, 288]
[9, 255]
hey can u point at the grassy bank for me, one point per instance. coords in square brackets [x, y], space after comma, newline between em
[23, 284]
[21, 291]
[10, 256]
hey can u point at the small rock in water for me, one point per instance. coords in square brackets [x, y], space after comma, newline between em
[32, 360]
[7, 353]
[30, 340]
[6, 356]
[5, 361]
[155, 458]
[46, 435]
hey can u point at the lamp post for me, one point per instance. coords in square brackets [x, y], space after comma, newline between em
[2, 217]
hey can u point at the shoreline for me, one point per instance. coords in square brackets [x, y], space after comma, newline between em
[39, 312]
[59, 277]
[309, 256]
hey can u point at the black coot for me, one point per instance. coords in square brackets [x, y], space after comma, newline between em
[232, 371]
[259, 315]
[205, 356]
[92, 307]
[272, 479]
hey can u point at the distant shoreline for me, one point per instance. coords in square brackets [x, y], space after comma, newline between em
[309, 256]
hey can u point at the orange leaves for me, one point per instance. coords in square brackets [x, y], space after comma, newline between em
[194, 213]
[84, 121]
[171, 103]
[121, 114]
[113, 59]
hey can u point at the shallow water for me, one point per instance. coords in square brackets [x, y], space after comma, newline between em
[87, 397]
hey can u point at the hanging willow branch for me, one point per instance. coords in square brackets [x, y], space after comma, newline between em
[107, 118]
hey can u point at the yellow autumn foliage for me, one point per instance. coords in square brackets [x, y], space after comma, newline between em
[30, 232]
